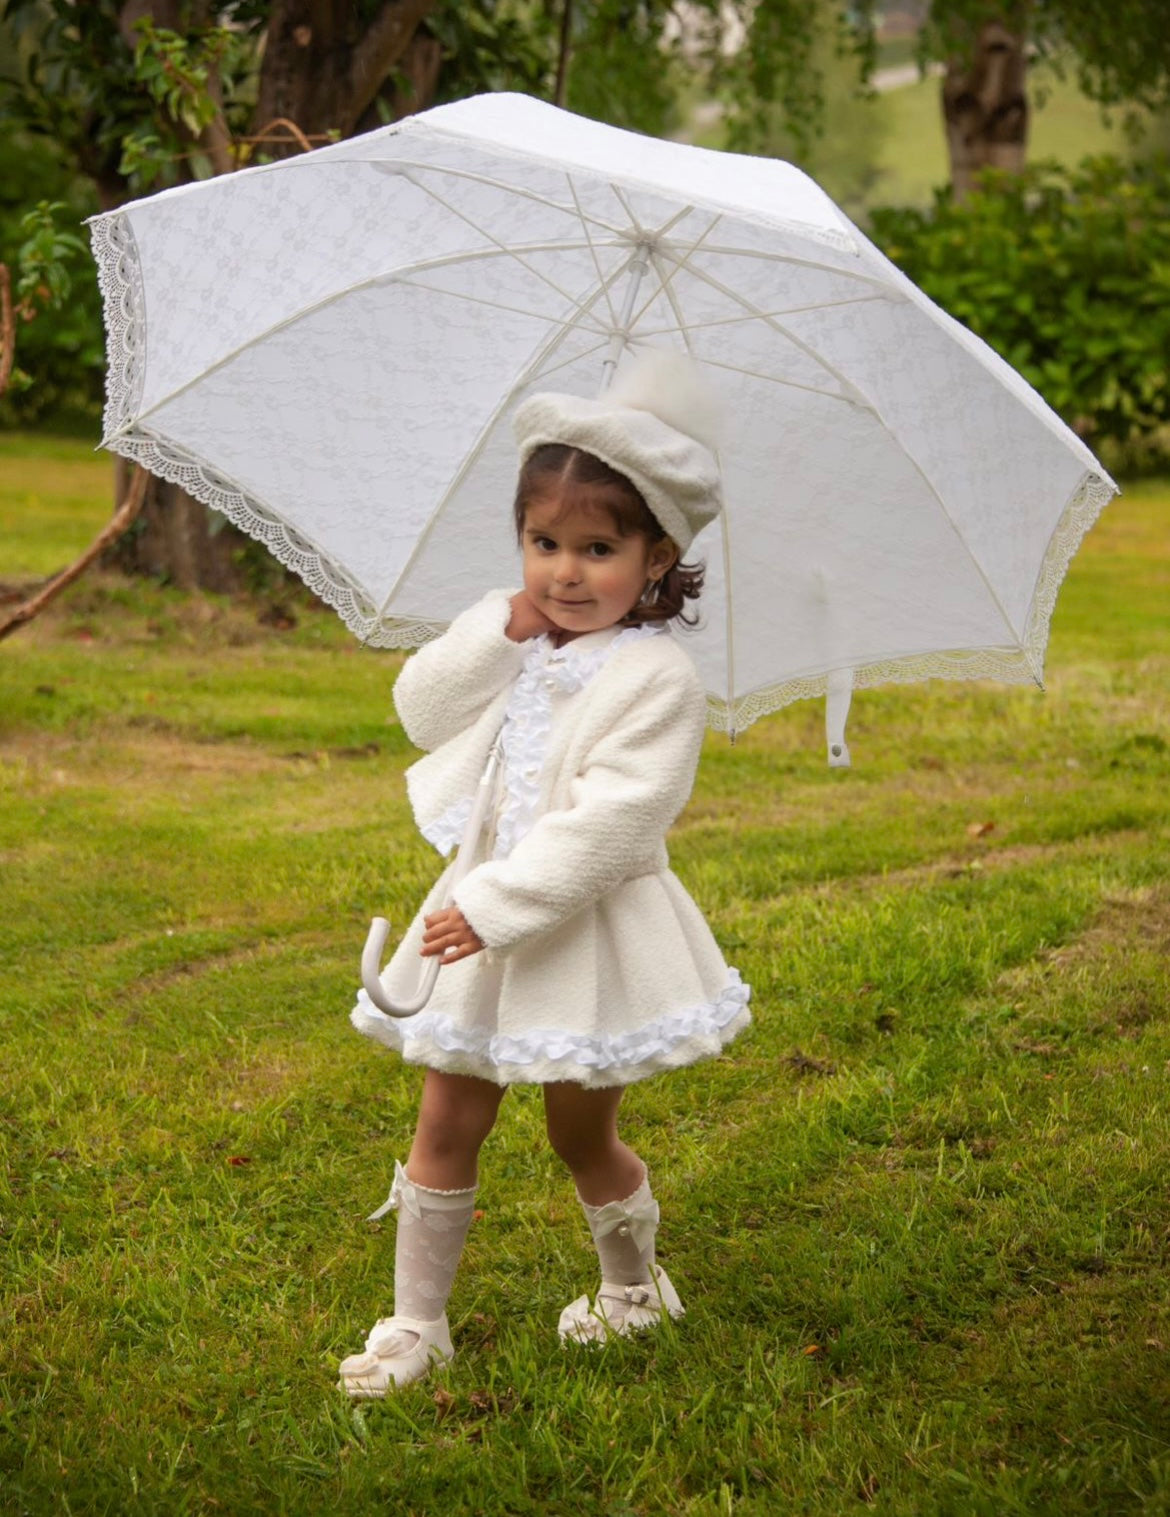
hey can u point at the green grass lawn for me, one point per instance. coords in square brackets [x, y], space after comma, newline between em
[918, 1213]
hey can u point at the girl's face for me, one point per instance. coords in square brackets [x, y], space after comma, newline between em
[579, 570]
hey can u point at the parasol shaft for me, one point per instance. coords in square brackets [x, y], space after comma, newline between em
[621, 335]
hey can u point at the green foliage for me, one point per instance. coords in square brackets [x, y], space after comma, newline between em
[493, 45]
[59, 354]
[177, 73]
[842, 145]
[1066, 273]
[777, 78]
[43, 274]
[1119, 50]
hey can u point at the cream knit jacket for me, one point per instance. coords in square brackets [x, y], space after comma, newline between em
[618, 769]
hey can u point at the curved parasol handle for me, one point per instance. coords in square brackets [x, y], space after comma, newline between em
[372, 978]
[380, 927]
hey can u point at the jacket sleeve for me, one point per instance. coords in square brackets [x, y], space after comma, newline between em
[446, 685]
[637, 780]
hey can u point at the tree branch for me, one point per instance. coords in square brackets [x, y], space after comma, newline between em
[7, 329]
[564, 43]
[386, 39]
[113, 529]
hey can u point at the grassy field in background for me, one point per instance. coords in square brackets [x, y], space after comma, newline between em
[918, 1213]
[912, 156]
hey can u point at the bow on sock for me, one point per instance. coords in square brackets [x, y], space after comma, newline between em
[632, 1218]
[403, 1193]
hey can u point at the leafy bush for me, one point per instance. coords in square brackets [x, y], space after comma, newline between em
[1066, 273]
[59, 347]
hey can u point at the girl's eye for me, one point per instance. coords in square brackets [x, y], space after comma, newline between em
[545, 544]
[599, 550]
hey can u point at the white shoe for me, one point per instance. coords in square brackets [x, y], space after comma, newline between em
[398, 1350]
[619, 1309]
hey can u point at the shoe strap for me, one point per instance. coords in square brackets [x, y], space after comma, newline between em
[390, 1336]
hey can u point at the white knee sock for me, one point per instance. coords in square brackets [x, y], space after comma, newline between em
[623, 1234]
[432, 1226]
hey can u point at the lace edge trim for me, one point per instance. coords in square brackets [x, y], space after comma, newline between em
[115, 251]
[1017, 666]
[655, 1041]
[119, 274]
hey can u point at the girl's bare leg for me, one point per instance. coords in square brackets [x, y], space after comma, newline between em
[455, 1116]
[620, 1209]
[435, 1198]
[582, 1128]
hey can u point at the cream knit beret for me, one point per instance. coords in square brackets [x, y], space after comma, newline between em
[655, 424]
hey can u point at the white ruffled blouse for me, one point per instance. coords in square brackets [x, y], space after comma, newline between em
[600, 968]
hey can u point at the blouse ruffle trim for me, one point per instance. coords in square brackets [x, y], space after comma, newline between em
[447, 830]
[528, 721]
[524, 737]
[651, 1046]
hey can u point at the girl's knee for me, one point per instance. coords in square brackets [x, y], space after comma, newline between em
[578, 1142]
[456, 1116]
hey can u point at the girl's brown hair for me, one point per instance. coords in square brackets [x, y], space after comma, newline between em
[595, 484]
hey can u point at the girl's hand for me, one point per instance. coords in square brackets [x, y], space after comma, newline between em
[526, 621]
[450, 935]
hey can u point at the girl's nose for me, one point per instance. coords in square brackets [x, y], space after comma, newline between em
[567, 570]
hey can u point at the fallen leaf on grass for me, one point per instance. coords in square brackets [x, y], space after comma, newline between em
[813, 1348]
[444, 1403]
[979, 829]
[238, 1159]
[477, 1215]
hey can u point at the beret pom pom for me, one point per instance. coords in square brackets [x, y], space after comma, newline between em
[671, 387]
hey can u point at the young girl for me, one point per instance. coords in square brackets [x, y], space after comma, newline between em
[572, 957]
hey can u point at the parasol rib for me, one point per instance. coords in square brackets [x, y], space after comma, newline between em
[592, 246]
[398, 164]
[733, 321]
[833, 237]
[869, 404]
[809, 263]
[396, 276]
[534, 365]
[490, 237]
[724, 530]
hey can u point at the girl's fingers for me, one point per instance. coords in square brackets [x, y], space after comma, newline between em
[448, 935]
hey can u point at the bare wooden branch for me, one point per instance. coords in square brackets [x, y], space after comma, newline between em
[7, 329]
[117, 524]
[263, 134]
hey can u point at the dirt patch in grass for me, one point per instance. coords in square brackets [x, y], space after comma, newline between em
[1130, 920]
[1123, 954]
[978, 859]
[57, 758]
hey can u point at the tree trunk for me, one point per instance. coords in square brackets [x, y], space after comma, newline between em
[174, 539]
[985, 106]
[323, 69]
